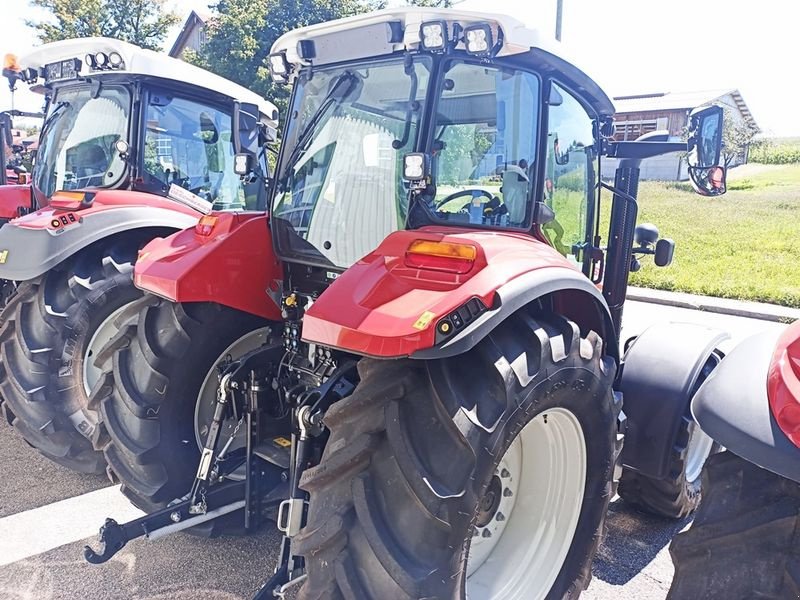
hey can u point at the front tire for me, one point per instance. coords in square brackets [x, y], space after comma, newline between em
[678, 494]
[419, 472]
[745, 539]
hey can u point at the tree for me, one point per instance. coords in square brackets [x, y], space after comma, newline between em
[737, 133]
[141, 22]
[241, 34]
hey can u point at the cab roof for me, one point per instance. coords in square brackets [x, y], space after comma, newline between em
[138, 61]
[390, 30]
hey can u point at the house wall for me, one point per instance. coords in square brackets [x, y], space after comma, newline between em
[195, 38]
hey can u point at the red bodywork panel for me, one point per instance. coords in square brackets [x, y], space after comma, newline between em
[384, 308]
[783, 383]
[13, 198]
[47, 218]
[234, 265]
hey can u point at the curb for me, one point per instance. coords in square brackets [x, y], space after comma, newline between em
[725, 306]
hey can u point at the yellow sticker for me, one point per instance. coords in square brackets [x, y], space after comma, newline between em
[282, 442]
[3, 257]
[424, 320]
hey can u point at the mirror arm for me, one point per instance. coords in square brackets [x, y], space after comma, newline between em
[642, 150]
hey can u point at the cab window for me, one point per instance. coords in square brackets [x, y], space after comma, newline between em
[189, 144]
[484, 148]
[569, 171]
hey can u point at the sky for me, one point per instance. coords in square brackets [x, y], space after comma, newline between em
[628, 46]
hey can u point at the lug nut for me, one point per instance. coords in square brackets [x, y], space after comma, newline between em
[500, 516]
[507, 493]
[486, 533]
[504, 473]
[175, 516]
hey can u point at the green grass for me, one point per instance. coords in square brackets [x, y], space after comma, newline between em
[744, 245]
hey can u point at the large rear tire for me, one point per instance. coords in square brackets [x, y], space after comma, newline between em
[745, 539]
[39, 396]
[486, 474]
[158, 368]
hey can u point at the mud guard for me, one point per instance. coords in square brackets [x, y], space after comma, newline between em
[36, 243]
[733, 408]
[659, 377]
[522, 291]
[233, 265]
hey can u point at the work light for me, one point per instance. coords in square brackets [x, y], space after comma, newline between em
[414, 166]
[433, 35]
[115, 60]
[101, 60]
[242, 164]
[478, 39]
[279, 67]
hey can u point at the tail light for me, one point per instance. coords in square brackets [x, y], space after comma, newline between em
[441, 256]
[205, 226]
[71, 200]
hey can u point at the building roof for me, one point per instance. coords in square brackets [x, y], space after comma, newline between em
[660, 101]
[138, 61]
[195, 18]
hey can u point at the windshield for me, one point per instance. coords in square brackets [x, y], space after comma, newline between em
[188, 144]
[484, 148]
[77, 146]
[341, 189]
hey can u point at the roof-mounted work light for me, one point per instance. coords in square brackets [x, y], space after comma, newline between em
[433, 35]
[279, 67]
[478, 39]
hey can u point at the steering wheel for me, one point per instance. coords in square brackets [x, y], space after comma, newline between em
[474, 193]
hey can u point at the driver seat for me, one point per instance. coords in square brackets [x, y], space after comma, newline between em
[515, 193]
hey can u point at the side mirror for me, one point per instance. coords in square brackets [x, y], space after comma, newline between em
[245, 125]
[561, 159]
[705, 148]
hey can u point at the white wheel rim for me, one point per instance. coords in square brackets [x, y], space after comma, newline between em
[204, 407]
[101, 336]
[545, 469]
[697, 452]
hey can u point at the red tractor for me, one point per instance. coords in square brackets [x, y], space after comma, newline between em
[408, 362]
[135, 145]
[744, 541]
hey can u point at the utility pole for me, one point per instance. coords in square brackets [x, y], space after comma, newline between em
[559, 11]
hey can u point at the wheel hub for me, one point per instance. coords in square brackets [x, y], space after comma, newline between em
[487, 507]
[526, 520]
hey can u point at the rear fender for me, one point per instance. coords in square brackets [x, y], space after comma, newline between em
[738, 404]
[15, 200]
[661, 372]
[35, 243]
[384, 308]
[234, 266]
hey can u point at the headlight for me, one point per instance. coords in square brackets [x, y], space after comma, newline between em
[478, 39]
[433, 35]
[279, 67]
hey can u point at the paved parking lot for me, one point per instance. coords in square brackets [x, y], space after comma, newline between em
[47, 514]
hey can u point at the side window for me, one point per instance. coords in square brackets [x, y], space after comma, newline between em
[189, 144]
[569, 170]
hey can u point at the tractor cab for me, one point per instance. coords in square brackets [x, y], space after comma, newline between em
[121, 117]
[440, 119]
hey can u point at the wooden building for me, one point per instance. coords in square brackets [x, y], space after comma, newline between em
[669, 111]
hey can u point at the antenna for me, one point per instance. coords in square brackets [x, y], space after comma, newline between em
[559, 12]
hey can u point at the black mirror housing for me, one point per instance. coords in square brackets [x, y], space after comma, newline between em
[245, 128]
[704, 151]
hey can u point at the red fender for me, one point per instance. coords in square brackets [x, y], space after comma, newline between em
[783, 383]
[15, 200]
[384, 307]
[233, 264]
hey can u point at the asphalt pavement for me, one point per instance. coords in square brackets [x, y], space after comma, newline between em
[48, 513]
